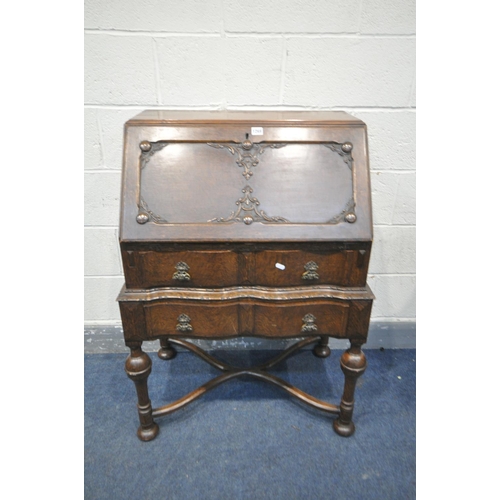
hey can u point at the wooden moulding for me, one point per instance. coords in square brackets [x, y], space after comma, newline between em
[255, 292]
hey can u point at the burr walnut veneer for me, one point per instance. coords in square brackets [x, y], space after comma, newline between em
[245, 224]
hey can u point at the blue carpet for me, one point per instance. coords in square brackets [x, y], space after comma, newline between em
[247, 439]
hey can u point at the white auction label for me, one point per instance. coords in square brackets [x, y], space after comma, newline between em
[279, 266]
[257, 131]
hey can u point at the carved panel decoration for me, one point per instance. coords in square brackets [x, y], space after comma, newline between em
[248, 211]
[281, 182]
[246, 159]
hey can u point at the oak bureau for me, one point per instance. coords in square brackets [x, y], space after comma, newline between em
[253, 223]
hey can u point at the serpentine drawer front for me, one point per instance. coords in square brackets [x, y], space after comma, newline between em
[245, 224]
[233, 312]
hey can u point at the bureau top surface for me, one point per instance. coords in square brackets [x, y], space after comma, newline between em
[245, 176]
[284, 118]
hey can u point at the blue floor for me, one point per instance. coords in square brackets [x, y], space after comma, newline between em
[247, 439]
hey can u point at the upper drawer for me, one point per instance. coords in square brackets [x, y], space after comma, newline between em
[151, 269]
[302, 268]
[246, 179]
[223, 268]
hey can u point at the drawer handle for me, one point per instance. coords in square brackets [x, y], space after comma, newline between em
[310, 273]
[181, 273]
[309, 325]
[184, 323]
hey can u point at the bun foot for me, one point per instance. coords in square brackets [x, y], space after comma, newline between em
[167, 353]
[166, 350]
[148, 434]
[321, 351]
[342, 428]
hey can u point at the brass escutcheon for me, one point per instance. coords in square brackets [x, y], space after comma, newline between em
[310, 271]
[309, 325]
[181, 273]
[184, 323]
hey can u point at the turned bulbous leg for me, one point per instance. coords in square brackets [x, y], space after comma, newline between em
[321, 349]
[166, 350]
[138, 368]
[353, 364]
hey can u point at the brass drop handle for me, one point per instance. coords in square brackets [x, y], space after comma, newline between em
[184, 323]
[309, 325]
[310, 271]
[181, 273]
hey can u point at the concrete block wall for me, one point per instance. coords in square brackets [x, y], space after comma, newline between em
[351, 55]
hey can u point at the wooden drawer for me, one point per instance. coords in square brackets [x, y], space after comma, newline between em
[250, 317]
[301, 319]
[222, 268]
[303, 268]
[197, 268]
[192, 319]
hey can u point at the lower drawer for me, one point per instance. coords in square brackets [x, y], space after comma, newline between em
[192, 320]
[289, 319]
[250, 317]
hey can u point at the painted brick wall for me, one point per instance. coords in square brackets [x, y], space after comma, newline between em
[351, 55]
